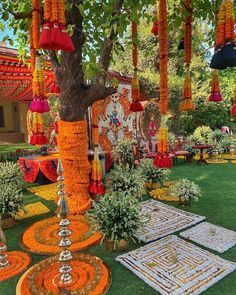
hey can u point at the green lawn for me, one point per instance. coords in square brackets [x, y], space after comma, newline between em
[218, 204]
[8, 148]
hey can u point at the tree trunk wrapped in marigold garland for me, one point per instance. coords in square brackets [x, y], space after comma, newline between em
[73, 148]
[234, 105]
[215, 87]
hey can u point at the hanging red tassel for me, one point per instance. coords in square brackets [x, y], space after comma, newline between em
[136, 105]
[155, 28]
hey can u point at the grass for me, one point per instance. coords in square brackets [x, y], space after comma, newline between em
[218, 204]
[8, 148]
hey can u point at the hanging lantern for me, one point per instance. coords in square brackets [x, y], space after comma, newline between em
[54, 35]
[225, 53]
[136, 105]
[233, 112]
[215, 95]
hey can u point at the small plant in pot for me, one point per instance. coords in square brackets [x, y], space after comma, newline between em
[11, 198]
[153, 176]
[117, 217]
[123, 179]
[123, 152]
[11, 202]
[186, 191]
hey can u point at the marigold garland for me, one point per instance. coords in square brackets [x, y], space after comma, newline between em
[163, 57]
[187, 104]
[89, 276]
[37, 136]
[135, 106]
[73, 147]
[42, 238]
[18, 262]
[215, 87]
[233, 111]
[54, 35]
[225, 52]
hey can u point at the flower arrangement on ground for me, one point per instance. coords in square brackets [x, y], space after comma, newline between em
[117, 217]
[123, 179]
[152, 174]
[186, 191]
[123, 152]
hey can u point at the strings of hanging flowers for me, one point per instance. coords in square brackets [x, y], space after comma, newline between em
[96, 186]
[215, 87]
[233, 112]
[225, 51]
[162, 159]
[136, 105]
[187, 104]
[54, 35]
[39, 104]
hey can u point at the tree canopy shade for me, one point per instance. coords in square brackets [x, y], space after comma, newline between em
[97, 28]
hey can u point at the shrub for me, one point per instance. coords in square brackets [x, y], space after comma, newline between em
[124, 179]
[11, 175]
[185, 188]
[11, 200]
[123, 152]
[153, 174]
[117, 216]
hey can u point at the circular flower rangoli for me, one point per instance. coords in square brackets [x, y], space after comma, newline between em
[18, 261]
[90, 276]
[42, 236]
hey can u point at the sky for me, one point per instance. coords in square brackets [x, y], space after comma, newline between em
[8, 32]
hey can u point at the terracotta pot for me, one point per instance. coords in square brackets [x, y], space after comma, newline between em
[148, 185]
[155, 185]
[7, 221]
[184, 202]
[121, 246]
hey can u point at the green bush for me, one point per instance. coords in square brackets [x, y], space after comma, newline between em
[11, 200]
[123, 152]
[11, 175]
[185, 188]
[123, 179]
[117, 216]
[153, 174]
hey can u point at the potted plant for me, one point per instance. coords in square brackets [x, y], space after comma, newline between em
[123, 179]
[123, 152]
[11, 202]
[186, 191]
[117, 217]
[11, 198]
[153, 176]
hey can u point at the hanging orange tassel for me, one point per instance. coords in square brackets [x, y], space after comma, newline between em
[37, 136]
[96, 186]
[162, 159]
[136, 105]
[187, 103]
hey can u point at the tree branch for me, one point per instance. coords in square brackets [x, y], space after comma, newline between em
[21, 15]
[54, 59]
[105, 55]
